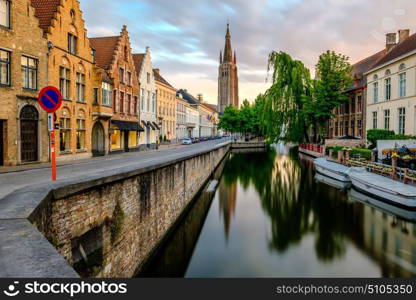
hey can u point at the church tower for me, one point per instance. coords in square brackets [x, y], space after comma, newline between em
[227, 76]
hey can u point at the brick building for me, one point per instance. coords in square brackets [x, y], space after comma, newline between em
[350, 120]
[166, 106]
[70, 68]
[113, 54]
[23, 71]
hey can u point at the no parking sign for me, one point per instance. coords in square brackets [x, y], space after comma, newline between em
[50, 99]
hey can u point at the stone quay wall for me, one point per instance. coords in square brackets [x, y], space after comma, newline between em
[111, 229]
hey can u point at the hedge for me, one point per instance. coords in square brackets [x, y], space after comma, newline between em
[363, 153]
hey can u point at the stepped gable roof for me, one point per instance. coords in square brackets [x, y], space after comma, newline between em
[160, 78]
[402, 48]
[105, 48]
[138, 61]
[45, 11]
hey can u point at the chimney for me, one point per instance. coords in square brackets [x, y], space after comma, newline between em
[157, 71]
[403, 34]
[390, 41]
[200, 98]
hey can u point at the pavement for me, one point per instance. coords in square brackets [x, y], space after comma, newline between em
[15, 178]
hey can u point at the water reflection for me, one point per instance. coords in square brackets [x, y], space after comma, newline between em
[271, 218]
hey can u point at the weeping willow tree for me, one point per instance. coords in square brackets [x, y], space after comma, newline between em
[282, 104]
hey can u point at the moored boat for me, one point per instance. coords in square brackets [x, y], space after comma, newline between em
[332, 169]
[340, 185]
[356, 196]
[383, 188]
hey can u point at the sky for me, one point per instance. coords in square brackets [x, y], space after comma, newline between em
[186, 36]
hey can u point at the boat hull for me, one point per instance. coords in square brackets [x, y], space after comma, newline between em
[332, 169]
[383, 194]
[341, 185]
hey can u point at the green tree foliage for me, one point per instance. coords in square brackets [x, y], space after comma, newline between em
[244, 120]
[282, 115]
[333, 77]
[295, 102]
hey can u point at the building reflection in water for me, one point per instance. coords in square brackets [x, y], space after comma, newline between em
[227, 201]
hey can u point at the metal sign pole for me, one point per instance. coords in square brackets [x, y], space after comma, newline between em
[51, 128]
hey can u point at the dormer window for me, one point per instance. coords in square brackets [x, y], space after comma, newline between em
[5, 13]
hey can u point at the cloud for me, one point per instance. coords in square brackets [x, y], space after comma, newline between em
[186, 36]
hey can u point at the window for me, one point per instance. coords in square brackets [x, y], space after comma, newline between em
[80, 134]
[126, 53]
[142, 100]
[154, 103]
[129, 104]
[387, 84]
[5, 13]
[95, 96]
[72, 13]
[121, 102]
[135, 106]
[121, 75]
[4, 67]
[129, 78]
[148, 78]
[387, 119]
[375, 92]
[375, 120]
[72, 43]
[359, 104]
[64, 82]
[116, 139]
[106, 94]
[80, 87]
[148, 101]
[115, 100]
[402, 120]
[360, 127]
[402, 85]
[402, 67]
[64, 132]
[132, 139]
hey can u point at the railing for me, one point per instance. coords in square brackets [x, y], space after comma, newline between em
[312, 147]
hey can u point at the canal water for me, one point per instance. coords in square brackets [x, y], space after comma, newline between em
[272, 217]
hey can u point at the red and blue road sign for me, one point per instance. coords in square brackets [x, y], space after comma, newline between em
[50, 99]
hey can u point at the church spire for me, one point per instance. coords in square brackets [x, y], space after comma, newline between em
[228, 51]
[220, 56]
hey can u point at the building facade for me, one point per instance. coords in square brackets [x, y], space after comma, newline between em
[166, 107]
[228, 76]
[181, 125]
[192, 113]
[113, 54]
[350, 117]
[24, 135]
[391, 93]
[70, 68]
[206, 121]
[148, 102]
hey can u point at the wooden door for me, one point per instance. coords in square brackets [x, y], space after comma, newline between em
[29, 134]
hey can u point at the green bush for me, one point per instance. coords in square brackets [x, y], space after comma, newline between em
[335, 150]
[363, 153]
[374, 135]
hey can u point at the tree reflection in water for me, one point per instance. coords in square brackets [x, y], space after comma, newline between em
[296, 204]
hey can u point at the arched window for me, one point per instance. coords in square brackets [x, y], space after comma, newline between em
[72, 13]
[402, 67]
[29, 112]
[388, 73]
[375, 77]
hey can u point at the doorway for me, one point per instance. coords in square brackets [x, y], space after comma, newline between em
[126, 141]
[29, 118]
[98, 140]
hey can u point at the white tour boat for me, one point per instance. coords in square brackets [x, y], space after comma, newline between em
[332, 169]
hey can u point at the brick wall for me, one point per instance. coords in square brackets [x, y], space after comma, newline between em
[118, 225]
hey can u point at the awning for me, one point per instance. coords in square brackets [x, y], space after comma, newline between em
[145, 124]
[151, 125]
[157, 127]
[127, 126]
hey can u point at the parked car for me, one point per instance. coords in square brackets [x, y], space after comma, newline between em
[186, 141]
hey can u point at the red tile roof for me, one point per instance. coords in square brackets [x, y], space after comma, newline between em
[159, 78]
[400, 49]
[105, 48]
[138, 61]
[45, 11]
